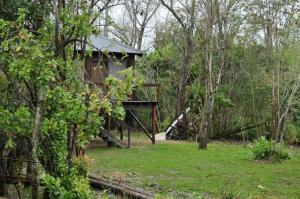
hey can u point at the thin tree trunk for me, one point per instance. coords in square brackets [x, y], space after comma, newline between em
[207, 104]
[274, 102]
[72, 137]
[34, 156]
[140, 37]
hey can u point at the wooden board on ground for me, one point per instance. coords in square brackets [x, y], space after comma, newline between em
[116, 187]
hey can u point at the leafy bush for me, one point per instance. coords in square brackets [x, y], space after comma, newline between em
[67, 187]
[264, 149]
[281, 152]
[292, 134]
[81, 164]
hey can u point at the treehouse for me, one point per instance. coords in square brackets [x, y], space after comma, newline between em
[108, 57]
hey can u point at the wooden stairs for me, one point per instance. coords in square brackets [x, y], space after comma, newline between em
[110, 139]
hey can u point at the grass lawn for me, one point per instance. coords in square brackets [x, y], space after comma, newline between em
[181, 170]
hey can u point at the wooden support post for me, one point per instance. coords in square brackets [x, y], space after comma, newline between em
[128, 137]
[153, 121]
[121, 132]
[120, 129]
[156, 121]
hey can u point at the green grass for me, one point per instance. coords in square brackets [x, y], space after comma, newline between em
[180, 169]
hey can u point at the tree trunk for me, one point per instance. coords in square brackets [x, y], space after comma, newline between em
[202, 141]
[3, 185]
[34, 156]
[140, 37]
[180, 102]
[29, 170]
[207, 70]
[71, 141]
[186, 53]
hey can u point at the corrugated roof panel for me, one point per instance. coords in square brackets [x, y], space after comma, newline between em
[106, 44]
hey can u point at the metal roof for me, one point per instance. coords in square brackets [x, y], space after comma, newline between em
[105, 44]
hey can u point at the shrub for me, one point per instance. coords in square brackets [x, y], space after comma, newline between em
[281, 152]
[81, 165]
[67, 187]
[264, 149]
[292, 134]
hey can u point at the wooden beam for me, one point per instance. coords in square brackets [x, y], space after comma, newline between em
[130, 192]
[120, 129]
[128, 137]
[153, 121]
[141, 125]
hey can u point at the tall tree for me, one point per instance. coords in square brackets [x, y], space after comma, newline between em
[217, 16]
[135, 21]
[186, 17]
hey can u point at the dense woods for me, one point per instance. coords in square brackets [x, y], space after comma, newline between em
[234, 63]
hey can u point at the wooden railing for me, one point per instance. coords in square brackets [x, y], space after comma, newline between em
[147, 92]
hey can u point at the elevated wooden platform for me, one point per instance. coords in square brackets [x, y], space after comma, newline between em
[132, 106]
[135, 105]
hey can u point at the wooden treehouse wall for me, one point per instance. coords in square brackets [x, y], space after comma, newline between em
[99, 66]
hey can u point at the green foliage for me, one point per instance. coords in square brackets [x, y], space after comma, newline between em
[264, 149]
[120, 89]
[162, 58]
[195, 93]
[19, 121]
[14, 125]
[222, 101]
[160, 66]
[281, 152]
[34, 69]
[158, 196]
[71, 186]
[292, 133]
[81, 164]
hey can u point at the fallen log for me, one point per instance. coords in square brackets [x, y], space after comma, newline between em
[130, 192]
[234, 132]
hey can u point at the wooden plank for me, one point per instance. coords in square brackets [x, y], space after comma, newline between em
[128, 137]
[130, 192]
[120, 129]
[136, 105]
[153, 120]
